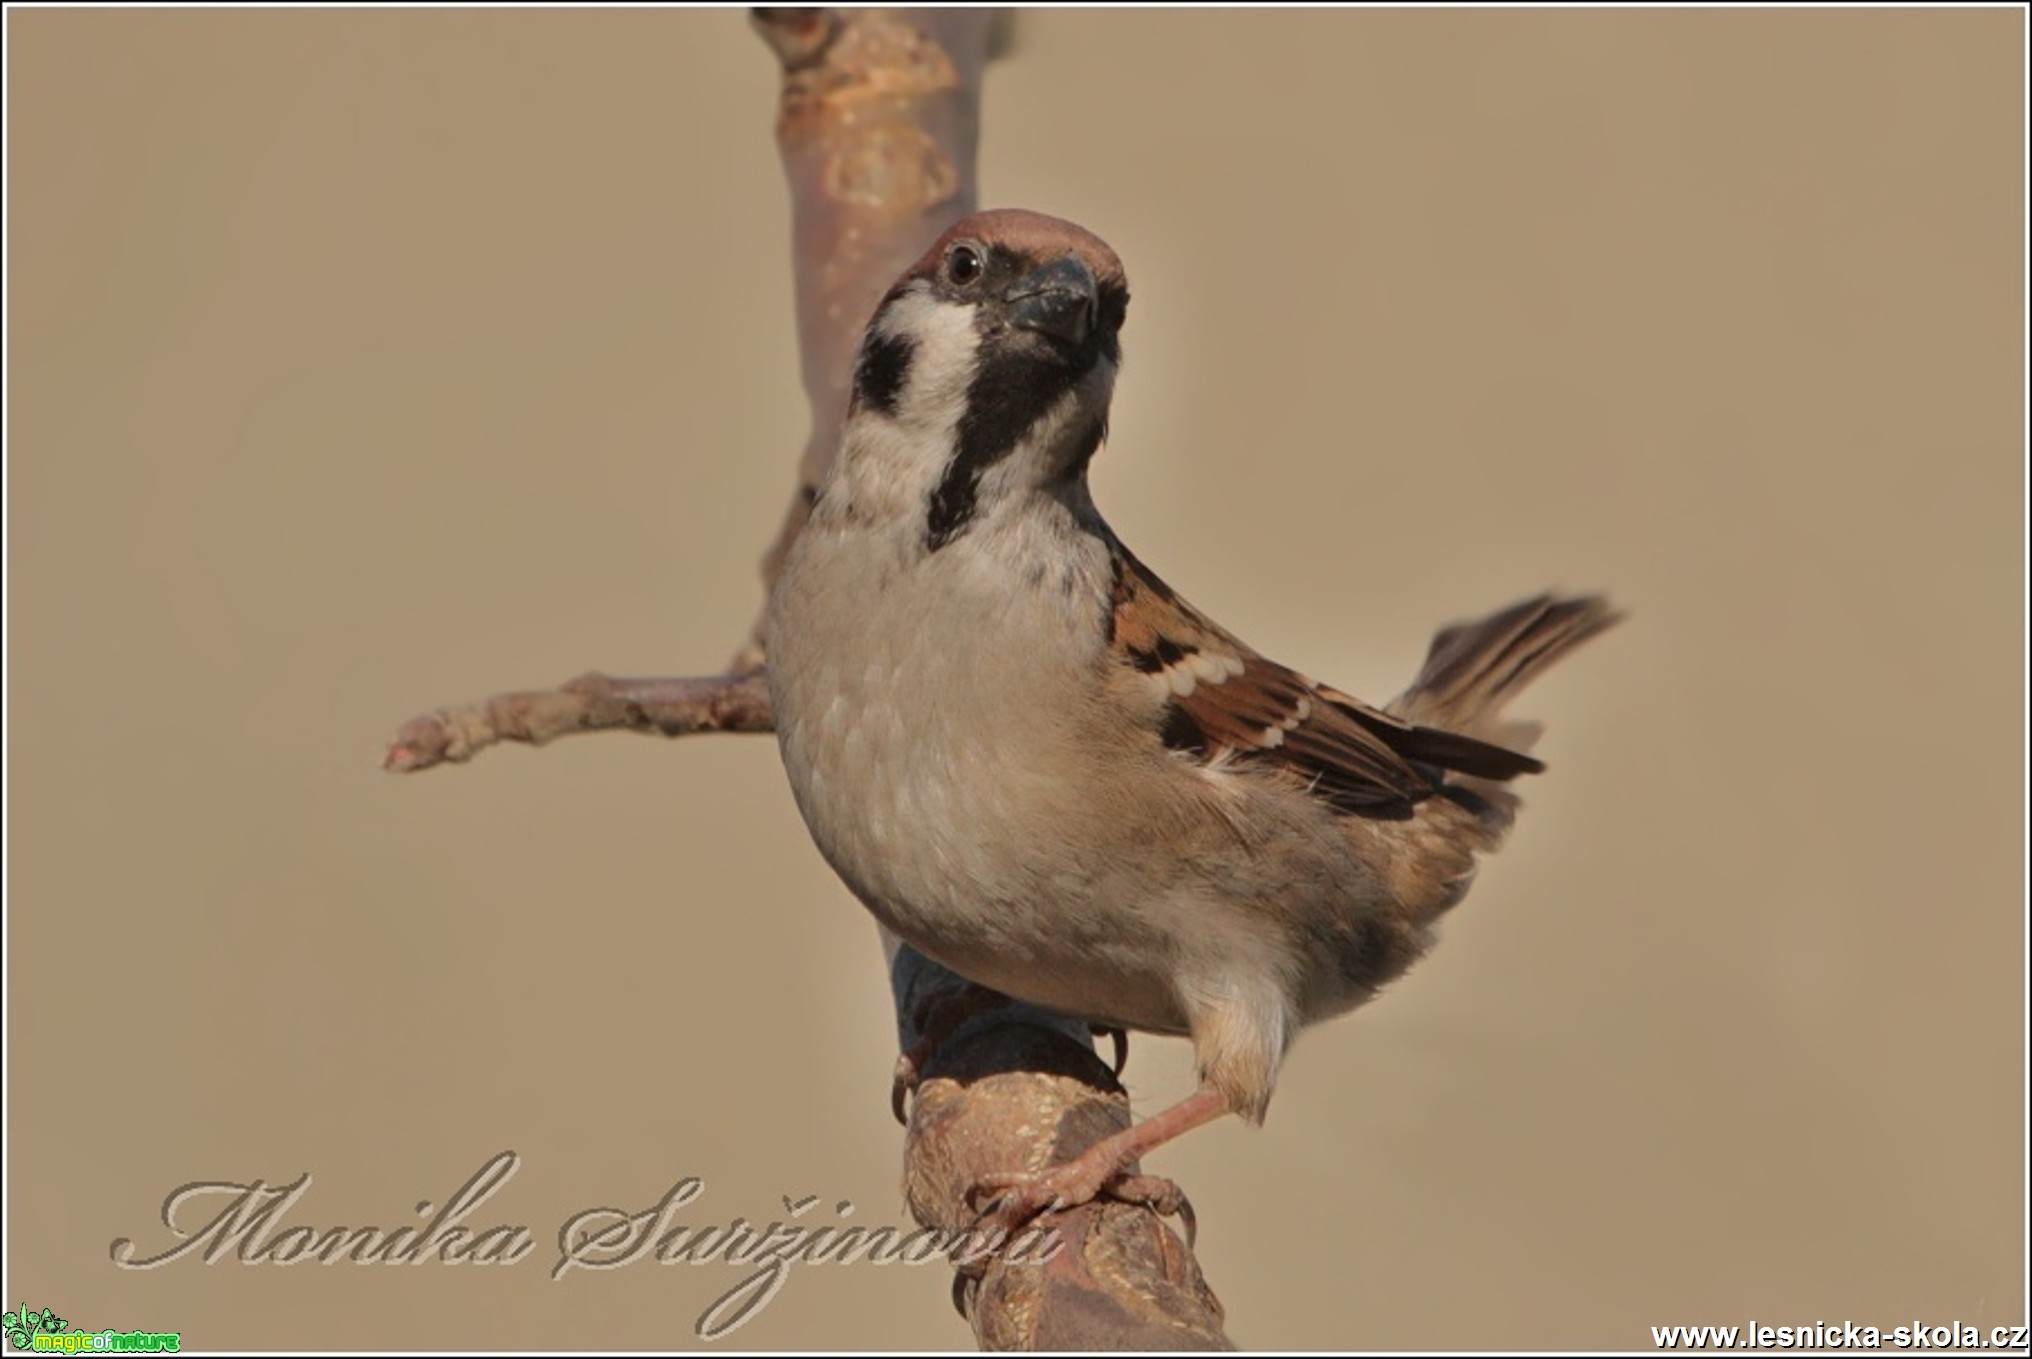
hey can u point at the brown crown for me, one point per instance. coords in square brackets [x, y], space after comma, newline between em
[1030, 236]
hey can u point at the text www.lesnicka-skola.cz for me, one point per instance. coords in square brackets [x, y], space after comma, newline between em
[1846, 1335]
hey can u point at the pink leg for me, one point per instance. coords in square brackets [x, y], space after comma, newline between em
[1103, 1167]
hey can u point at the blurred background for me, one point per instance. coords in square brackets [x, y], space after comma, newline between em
[362, 362]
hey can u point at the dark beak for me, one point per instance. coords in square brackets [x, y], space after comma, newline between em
[1056, 299]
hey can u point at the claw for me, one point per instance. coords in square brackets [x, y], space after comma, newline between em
[1121, 1037]
[901, 1083]
[997, 1204]
[986, 1197]
[959, 1293]
[1103, 1168]
[934, 1020]
[1162, 1197]
[1016, 1201]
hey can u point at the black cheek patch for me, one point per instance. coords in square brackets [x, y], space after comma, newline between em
[880, 374]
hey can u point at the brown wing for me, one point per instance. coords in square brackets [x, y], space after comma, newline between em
[1222, 699]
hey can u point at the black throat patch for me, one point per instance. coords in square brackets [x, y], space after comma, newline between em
[1008, 396]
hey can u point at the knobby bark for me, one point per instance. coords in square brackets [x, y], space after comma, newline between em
[877, 125]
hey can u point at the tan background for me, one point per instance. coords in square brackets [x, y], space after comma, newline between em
[366, 361]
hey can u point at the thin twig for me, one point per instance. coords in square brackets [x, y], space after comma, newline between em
[592, 702]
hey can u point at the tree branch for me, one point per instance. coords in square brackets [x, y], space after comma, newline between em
[592, 702]
[878, 124]
[1018, 1088]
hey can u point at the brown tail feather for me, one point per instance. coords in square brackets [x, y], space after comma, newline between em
[1475, 668]
[1471, 672]
[1450, 750]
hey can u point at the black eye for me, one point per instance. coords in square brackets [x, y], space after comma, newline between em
[964, 264]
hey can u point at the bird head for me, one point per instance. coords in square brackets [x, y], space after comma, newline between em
[985, 373]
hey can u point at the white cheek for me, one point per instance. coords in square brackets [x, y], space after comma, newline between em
[891, 463]
[941, 361]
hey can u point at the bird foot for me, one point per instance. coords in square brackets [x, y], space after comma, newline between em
[1103, 1168]
[935, 1020]
[1011, 1202]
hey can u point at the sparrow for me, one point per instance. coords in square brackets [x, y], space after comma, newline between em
[1035, 763]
